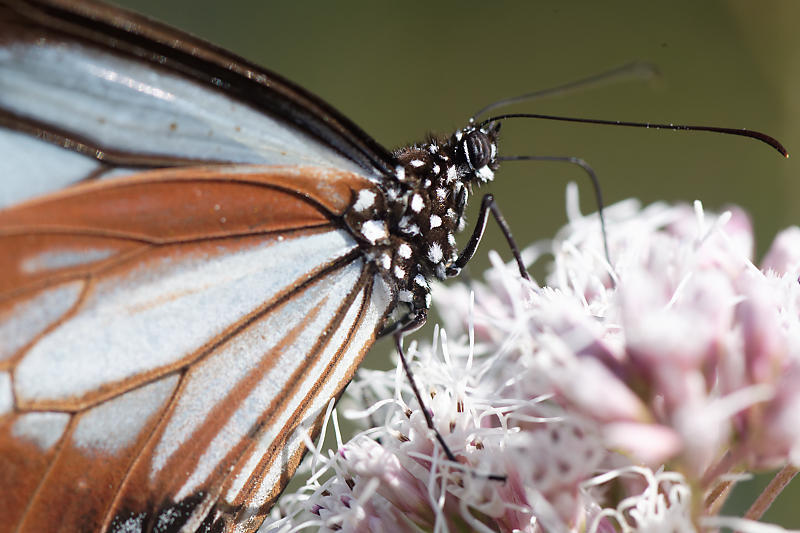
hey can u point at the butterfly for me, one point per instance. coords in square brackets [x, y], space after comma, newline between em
[196, 255]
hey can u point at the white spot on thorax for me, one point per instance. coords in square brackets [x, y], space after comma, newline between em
[374, 230]
[436, 221]
[400, 172]
[405, 296]
[485, 173]
[412, 229]
[451, 173]
[366, 199]
[436, 169]
[417, 203]
[441, 193]
[435, 253]
[386, 261]
[407, 227]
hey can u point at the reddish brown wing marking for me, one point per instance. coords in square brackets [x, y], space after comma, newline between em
[66, 455]
[57, 243]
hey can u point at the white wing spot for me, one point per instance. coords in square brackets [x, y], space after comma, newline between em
[416, 163]
[451, 173]
[420, 280]
[386, 261]
[485, 173]
[6, 396]
[56, 258]
[436, 169]
[366, 199]
[436, 221]
[374, 230]
[441, 194]
[400, 172]
[404, 251]
[399, 272]
[451, 239]
[435, 253]
[404, 296]
[416, 203]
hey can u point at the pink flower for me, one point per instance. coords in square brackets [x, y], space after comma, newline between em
[604, 397]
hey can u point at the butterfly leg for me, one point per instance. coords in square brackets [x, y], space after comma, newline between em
[414, 324]
[598, 192]
[488, 206]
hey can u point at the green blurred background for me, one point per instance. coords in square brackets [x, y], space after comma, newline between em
[401, 70]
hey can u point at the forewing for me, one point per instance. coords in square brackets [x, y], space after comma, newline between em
[163, 336]
[122, 93]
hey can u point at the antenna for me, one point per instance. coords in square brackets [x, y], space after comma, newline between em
[752, 134]
[632, 71]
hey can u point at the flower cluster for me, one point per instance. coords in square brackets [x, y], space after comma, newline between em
[615, 397]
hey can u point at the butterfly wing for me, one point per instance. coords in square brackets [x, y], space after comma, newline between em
[160, 355]
[164, 334]
[123, 94]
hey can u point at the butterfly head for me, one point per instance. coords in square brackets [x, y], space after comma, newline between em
[408, 225]
[475, 152]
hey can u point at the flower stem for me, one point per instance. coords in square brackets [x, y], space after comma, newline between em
[775, 487]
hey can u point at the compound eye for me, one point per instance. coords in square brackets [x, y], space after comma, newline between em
[477, 149]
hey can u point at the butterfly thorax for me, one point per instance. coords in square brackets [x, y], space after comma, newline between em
[410, 224]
